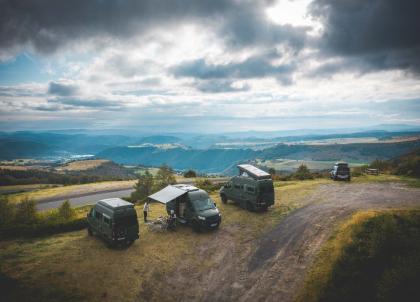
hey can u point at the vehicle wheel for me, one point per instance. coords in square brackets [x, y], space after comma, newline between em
[196, 227]
[264, 209]
[224, 198]
[89, 230]
[129, 242]
[250, 207]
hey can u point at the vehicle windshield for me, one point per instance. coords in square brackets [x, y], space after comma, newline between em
[203, 204]
[126, 221]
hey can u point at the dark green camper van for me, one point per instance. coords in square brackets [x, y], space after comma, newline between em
[115, 220]
[252, 189]
[191, 205]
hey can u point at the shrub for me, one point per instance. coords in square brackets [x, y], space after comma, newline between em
[382, 165]
[303, 173]
[143, 187]
[65, 211]
[165, 176]
[208, 185]
[26, 212]
[358, 171]
[190, 174]
[7, 212]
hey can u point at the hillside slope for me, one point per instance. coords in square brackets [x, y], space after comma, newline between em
[218, 160]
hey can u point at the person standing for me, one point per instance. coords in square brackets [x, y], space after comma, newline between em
[145, 210]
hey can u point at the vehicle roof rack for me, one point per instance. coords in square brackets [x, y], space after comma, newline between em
[254, 172]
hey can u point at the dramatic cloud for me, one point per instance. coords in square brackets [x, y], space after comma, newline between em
[214, 63]
[372, 34]
[253, 67]
[46, 25]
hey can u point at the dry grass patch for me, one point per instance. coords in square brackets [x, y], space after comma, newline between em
[65, 191]
[74, 263]
[82, 165]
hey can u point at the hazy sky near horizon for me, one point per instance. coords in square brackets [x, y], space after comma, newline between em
[210, 65]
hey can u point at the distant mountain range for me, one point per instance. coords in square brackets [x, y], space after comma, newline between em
[206, 153]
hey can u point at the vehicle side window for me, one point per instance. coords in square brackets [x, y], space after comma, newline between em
[98, 215]
[228, 185]
[107, 220]
[250, 189]
[237, 186]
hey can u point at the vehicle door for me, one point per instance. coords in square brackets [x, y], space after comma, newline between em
[98, 221]
[239, 191]
[106, 226]
[189, 212]
[249, 193]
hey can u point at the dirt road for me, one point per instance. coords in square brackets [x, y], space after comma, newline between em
[271, 268]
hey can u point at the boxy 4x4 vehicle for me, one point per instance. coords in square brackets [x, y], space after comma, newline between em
[115, 220]
[191, 205]
[341, 171]
[253, 189]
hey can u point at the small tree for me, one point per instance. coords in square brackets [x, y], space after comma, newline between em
[190, 173]
[65, 211]
[143, 187]
[303, 173]
[165, 176]
[7, 211]
[26, 212]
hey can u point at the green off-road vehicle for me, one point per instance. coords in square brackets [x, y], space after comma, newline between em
[191, 206]
[114, 220]
[252, 189]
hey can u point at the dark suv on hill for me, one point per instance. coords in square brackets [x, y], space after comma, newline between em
[341, 171]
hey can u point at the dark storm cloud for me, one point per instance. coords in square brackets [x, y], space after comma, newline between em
[62, 89]
[371, 34]
[47, 25]
[253, 67]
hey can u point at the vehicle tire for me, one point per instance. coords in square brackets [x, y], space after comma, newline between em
[264, 209]
[89, 230]
[129, 242]
[250, 207]
[196, 226]
[224, 198]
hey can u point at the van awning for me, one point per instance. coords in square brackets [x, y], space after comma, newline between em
[167, 194]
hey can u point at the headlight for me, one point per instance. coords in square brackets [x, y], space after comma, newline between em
[201, 217]
[220, 215]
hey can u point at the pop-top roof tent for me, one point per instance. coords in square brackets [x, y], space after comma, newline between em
[254, 172]
[171, 192]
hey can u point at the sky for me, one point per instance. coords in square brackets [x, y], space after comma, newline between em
[208, 66]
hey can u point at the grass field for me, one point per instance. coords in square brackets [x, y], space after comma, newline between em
[289, 165]
[24, 188]
[82, 165]
[34, 269]
[373, 256]
[62, 192]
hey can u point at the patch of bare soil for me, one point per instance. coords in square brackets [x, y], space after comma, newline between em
[271, 268]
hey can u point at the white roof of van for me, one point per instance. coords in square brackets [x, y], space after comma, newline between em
[168, 194]
[115, 202]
